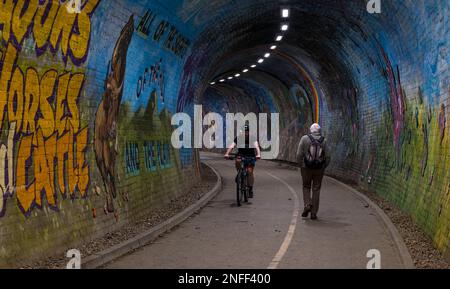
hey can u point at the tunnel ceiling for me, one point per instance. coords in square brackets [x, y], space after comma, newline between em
[377, 83]
[88, 97]
[321, 36]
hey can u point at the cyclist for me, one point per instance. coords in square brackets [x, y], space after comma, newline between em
[250, 154]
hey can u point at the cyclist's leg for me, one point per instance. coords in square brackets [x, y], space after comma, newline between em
[251, 166]
[250, 176]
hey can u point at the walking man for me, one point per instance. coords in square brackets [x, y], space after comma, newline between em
[314, 158]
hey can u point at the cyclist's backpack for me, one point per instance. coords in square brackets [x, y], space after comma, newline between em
[315, 158]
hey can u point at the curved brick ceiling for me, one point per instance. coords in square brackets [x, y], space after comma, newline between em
[322, 33]
[378, 84]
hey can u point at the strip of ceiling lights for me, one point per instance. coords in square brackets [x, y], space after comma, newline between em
[285, 14]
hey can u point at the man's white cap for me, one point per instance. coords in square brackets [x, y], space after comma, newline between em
[315, 128]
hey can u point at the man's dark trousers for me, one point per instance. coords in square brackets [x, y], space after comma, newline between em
[312, 178]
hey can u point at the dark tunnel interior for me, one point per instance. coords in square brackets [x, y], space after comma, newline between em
[112, 75]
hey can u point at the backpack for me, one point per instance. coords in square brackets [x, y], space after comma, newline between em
[315, 158]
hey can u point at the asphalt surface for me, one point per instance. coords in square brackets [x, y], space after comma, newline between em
[269, 232]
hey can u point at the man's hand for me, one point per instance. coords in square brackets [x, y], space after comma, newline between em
[258, 157]
[227, 156]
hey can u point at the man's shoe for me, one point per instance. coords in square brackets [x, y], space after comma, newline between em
[313, 216]
[250, 192]
[306, 212]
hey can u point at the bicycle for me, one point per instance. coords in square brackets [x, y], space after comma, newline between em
[242, 189]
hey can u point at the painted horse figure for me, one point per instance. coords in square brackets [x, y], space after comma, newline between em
[107, 116]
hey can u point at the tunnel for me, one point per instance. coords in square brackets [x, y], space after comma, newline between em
[88, 90]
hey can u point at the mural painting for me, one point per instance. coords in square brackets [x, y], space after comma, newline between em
[107, 116]
[44, 141]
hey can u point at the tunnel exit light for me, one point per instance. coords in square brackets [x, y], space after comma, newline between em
[285, 13]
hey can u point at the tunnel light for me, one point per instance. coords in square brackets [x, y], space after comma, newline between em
[245, 70]
[267, 55]
[222, 80]
[237, 75]
[273, 47]
[279, 37]
[285, 13]
[284, 27]
[260, 60]
[230, 78]
[212, 83]
[253, 66]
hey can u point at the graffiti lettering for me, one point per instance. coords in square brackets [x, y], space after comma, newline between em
[44, 153]
[176, 43]
[51, 22]
[145, 22]
[44, 124]
[164, 32]
[165, 160]
[160, 30]
[132, 158]
[26, 95]
[150, 158]
[156, 155]
[152, 75]
[6, 153]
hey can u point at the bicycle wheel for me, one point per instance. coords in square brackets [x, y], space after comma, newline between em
[245, 188]
[238, 189]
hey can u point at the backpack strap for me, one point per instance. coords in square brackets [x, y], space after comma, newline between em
[313, 140]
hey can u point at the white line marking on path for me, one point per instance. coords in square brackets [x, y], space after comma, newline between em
[290, 234]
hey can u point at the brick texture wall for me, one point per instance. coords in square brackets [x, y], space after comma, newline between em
[383, 90]
[86, 96]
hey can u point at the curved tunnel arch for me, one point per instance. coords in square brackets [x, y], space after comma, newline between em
[367, 72]
[377, 83]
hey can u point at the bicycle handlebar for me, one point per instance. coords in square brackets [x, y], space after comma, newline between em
[234, 156]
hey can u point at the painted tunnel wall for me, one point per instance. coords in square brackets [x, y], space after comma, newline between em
[86, 95]
[383, 84]
[391, 134]
[400, 134]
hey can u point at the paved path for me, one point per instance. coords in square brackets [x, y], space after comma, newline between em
[269, 232]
